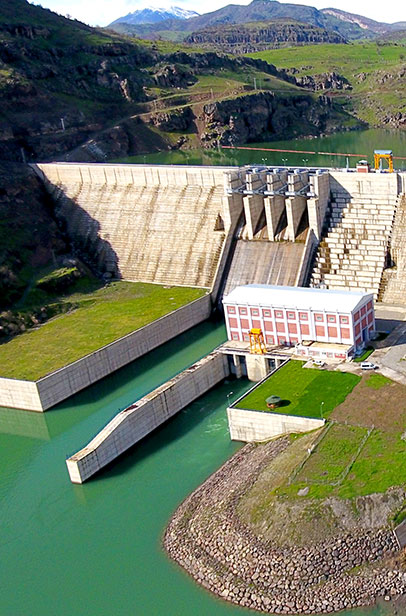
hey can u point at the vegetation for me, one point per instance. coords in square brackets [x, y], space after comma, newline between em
[348, 460]
[377, 381]
[99, 318]
[349, 463]
[306, 392]
[367, 352]
[374, 70]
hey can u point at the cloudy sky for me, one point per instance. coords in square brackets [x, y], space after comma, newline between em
[103, 12]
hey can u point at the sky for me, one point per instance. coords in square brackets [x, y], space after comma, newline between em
[103, 12]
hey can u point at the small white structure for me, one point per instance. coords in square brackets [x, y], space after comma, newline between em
[318, 322]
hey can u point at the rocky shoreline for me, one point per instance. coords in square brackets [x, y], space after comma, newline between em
[208, 539]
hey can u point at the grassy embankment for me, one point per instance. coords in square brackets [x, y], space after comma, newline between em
[373, 70]
[306, 392]
[100, 317]
[359, 455]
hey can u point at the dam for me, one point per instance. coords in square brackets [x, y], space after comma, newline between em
[217, 228]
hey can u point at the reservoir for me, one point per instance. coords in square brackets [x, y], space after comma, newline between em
[362, 143]
[68, 549]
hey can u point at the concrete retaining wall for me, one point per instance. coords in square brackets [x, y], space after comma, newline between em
[59, 385]
[20, 394]
[132, 424]
[251, 426]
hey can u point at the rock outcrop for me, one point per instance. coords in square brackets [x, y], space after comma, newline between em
[249, 38]
[266, 116]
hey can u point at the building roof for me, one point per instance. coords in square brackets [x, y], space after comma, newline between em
[296, 297]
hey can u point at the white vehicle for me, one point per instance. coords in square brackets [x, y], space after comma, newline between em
[368, 365]
[319, 362]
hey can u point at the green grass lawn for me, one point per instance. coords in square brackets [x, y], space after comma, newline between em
[368, 351]
[307, 392]
[379, 465]
[377, 381]
[333, 455]
[101, 317]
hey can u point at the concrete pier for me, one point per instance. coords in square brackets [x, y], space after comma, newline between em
[133, 423]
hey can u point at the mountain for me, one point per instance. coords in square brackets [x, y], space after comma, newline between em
[152, 15]
[368, 25]
[258, 36]
[348, 25]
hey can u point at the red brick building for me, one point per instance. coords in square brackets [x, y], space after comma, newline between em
[340, 322]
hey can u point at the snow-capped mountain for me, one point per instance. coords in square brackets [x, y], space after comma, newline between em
[151, 15]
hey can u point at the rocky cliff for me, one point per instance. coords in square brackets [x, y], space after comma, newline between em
[266, 116]
[249, 38]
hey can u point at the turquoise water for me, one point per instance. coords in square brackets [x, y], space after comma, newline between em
[96, 549]
[362, 143]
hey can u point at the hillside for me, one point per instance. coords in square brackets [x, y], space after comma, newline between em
[63, 83]
[375, 71]
[258, 36]
[68, 91]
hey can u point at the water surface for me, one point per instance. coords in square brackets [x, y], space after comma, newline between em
[361, 143]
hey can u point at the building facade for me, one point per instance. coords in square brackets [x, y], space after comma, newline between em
[319, 322]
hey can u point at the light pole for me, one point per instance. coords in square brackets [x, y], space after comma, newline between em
[284, 161]
[305, 161]
[321, 409]
[228, 397]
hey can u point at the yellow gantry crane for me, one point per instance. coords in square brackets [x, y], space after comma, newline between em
[257, 344]
[380, 155]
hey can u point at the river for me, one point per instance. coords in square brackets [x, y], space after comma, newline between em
[362, 143]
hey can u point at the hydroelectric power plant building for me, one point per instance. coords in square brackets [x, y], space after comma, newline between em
[342, 322]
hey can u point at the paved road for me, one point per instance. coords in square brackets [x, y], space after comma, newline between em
[390, 353]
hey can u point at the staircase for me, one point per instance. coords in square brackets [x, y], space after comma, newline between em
[393, 285]
[352, 255]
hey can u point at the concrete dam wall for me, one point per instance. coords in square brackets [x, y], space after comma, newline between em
[165, 225]
[177, 225]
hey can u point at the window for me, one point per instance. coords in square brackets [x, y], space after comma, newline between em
[303, 316]
[242, 310]
[235, 336]
[255, 312]
[318, 317]
[231, 310]
[266, 313]
[278, 314]
[291, 315]
[343, 319]
[331, 318]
